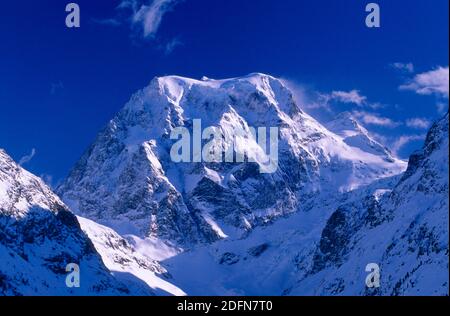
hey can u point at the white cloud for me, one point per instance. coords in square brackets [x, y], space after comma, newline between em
[309, 98]
[403, 140]
[352, 96]
[417, 122]
[404, 67]
[48, 179]
[27, 158]
[430, 82]
[171, 45]
[306, 97]
[147, 16]
[376, 105]
[375, 119]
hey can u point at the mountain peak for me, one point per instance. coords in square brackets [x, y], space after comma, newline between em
[168, 100]
[128, 176]
[345, 124]
[249, 77]
[4, 155]
[264, 83]
[354, 134]
[20, 191]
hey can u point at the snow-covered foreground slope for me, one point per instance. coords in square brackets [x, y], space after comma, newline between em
[39, 237]
[399, 223]
[127, 180]
[269, 261]
[125, 260]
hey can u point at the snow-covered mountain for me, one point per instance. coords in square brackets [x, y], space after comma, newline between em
[39, 237]
[145, 224]
[126, 180]
[354, 134]
[403, 229]
[399, 223]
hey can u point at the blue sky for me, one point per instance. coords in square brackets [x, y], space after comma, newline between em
[60, 86]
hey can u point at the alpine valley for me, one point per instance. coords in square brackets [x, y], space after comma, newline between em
[138, 223]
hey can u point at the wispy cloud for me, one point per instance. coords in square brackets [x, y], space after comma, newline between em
[48, 179]
[313, 100]
[403, 67]
[27, 158]
[418, 123]
[306, 96]
[146, 16]
[401, 141]
[352, 96]
[325, 104]
[108, 22]
[51, 181]
[375, 119]
[171, 45]
[431, 82]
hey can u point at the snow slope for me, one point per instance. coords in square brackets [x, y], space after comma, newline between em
[39, 237]
[400, 223]
[403, 230]
[123, 259]
[269, 261]
[354, 134]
